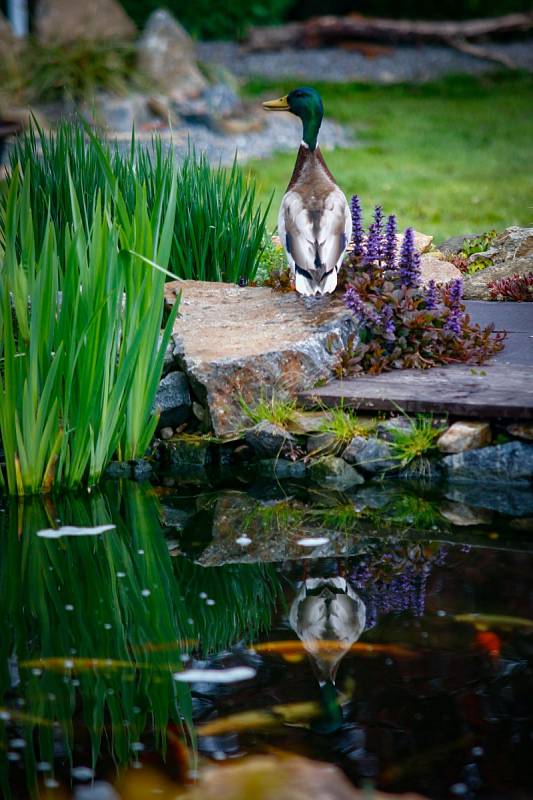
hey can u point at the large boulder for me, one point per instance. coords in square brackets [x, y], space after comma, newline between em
[244, 344]
[506, 463]
[511, 252]
[64, 22]
[166, 57]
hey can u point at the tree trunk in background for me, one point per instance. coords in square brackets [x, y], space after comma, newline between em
[331, 30]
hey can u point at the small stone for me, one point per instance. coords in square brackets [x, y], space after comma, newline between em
[463, 515]
[386, 429]
[199, 411]
[189, 450]
[141, 470]
[268, 439]
[522, 430]
[371, 455]
[173, 399]
[281, 468]
[505, 463]
[463, 436]
[118, 469]
[321, 443]
[166, 433]
[334, 473]
[305, 422]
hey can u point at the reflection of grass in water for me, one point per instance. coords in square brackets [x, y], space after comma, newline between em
[113, 597]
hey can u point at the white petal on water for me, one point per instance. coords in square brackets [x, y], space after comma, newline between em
[82, 773]
[312, 541]
[72, 530]
[231, 675]
[244, 541]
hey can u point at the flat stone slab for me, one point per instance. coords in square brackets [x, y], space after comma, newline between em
[498, 390]
[240, 344]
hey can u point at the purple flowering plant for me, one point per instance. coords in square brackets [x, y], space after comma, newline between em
[401, 323]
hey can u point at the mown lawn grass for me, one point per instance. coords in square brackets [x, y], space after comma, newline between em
[448, 157]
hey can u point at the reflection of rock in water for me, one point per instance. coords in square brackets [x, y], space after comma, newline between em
[328, 617]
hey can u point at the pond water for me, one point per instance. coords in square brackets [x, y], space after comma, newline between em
[171, 626]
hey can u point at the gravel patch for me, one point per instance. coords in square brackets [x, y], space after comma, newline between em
[405, 63]
[281, 133]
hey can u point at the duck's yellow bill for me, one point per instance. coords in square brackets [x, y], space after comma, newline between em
[277, 105]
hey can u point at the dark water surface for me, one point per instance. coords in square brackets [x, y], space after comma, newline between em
[370, 630]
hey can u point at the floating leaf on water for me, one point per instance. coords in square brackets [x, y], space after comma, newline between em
[230, 675]
[72, 530]
[484, 621]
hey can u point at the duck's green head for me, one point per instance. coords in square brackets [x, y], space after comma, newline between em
[306, 103]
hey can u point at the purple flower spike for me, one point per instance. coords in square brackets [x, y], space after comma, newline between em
[431, 296]
[378, 227]
[357, 225]
[409, 263]
[390, 242]
[372, 250]
[455, 317]
[363, 312]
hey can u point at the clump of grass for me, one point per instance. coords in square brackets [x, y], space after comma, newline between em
[81, 350]
[410, 445]
[273, 409]
[218, 230]
[344, 424]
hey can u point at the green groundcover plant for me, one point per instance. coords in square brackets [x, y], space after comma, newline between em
[81, 350]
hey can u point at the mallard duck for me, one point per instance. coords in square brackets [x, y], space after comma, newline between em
[314, 222]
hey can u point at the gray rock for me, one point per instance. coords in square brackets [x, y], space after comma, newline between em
[463, 515]
[334, 473]
[281, 468]
[502, 463]
[173, 399]
[371, 455]
[65, 22]
[237, 343]
[386, 429]
[512, 501]
[166, 56]
[321, 442]
[269, 440]
[455, 244]
[166, 433]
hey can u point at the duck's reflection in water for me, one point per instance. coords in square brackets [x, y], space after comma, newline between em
[328, 616]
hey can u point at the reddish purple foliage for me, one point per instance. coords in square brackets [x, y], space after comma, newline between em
[516, 287]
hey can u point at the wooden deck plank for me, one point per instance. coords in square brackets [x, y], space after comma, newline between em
[498, 390]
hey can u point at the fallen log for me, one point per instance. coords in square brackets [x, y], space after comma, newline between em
[330, 30]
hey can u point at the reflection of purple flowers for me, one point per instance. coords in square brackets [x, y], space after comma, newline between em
[363, 312]
[409, 263]
[453, 323]
[397, 582]
[390, 242]
[357, 225]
